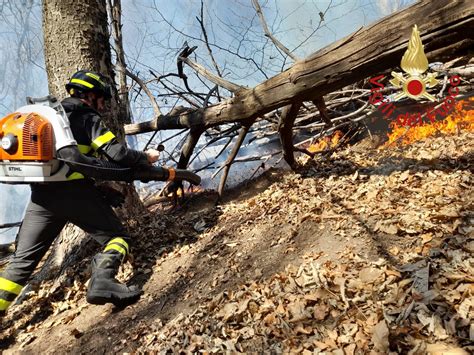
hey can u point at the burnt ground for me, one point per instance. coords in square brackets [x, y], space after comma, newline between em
[356, 209]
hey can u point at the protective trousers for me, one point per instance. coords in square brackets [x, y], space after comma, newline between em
[51, 207]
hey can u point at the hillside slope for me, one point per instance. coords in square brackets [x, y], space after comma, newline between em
[369, 249]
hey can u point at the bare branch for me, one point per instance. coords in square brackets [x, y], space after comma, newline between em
[115, 14]
[321, 20]
[235, 150]
[206, 40]
[321, 105]
[285, 128]
[224, 49]
[154, 104]
[268, 34]
[212, 77]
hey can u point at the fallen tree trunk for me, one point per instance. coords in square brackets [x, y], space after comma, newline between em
[446, 32]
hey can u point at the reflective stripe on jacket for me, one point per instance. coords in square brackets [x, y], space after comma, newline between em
[95, 139]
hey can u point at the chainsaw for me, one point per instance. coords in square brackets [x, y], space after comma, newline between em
[37, 146]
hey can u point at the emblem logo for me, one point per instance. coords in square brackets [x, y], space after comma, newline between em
[414, 63]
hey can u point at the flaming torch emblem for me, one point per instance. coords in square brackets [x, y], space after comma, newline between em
[414, 63]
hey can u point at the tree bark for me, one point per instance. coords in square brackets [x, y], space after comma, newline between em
[76, 37]
[371, 50]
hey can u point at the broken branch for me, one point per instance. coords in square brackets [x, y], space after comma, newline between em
[268, 34]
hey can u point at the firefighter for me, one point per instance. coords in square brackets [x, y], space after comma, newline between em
[78, 201]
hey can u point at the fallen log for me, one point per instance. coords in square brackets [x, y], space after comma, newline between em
[446, 32]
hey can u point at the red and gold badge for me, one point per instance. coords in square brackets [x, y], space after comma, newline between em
[414, 63]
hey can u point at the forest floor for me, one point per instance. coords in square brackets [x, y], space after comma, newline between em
[367, 250]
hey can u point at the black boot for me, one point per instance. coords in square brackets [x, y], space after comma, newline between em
[103, 287]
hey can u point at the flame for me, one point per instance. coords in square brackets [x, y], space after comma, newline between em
[462, 118]
[414, 60]
[326, 143]
[193, 190]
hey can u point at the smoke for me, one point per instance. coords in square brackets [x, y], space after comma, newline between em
[21, 74]
[12, 208]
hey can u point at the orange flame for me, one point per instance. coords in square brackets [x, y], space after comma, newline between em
[194, 190]
[325, 143]
[462, 118]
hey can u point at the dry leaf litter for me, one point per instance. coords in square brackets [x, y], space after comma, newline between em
[406, 287]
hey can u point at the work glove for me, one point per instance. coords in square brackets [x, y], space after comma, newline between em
[152, 155]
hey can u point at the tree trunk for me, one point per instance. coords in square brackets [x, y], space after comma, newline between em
[379, 47]
[76, 37]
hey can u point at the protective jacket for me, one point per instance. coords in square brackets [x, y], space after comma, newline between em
[77, 201]
[95, 139]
